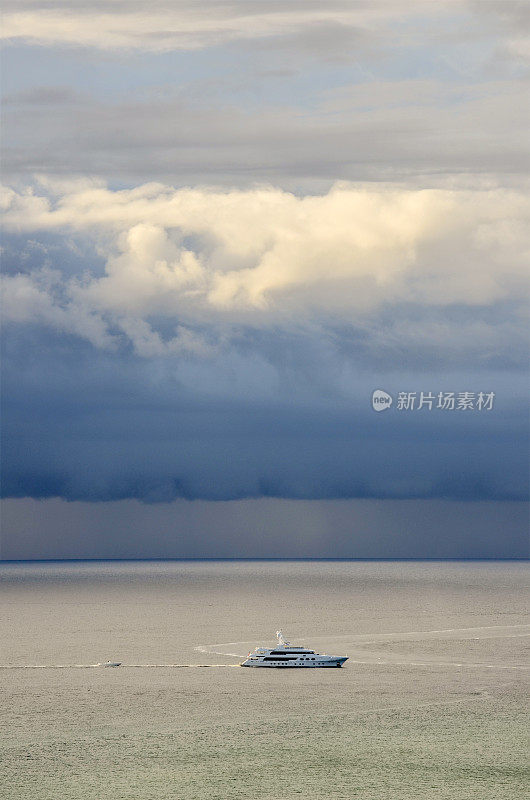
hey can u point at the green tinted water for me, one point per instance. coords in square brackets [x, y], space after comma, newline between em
[430, 704]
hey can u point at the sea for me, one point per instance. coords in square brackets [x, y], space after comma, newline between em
[432, 702]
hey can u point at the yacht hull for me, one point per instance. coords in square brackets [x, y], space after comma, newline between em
[336, 662]
[290, 656]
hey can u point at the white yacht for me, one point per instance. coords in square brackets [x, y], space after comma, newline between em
[289, 655]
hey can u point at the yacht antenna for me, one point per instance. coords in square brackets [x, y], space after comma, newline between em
[281, 640]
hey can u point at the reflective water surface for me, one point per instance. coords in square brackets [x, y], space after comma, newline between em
[430, 703]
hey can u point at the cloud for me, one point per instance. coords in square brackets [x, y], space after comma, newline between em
[43, 96]
[339, 206]
[278, 419]
[331, 30]
[427, 92]
[28, 298]
[429, 131]
[184, 25]
[201, 343]
[209, 261]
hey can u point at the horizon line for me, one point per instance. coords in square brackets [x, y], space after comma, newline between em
[238, 558]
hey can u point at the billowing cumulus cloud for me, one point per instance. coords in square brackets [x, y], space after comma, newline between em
[205, 259]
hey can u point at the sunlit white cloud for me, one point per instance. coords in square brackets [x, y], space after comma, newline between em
[264, 257]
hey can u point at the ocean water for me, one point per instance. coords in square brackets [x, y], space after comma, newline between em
[431, 703]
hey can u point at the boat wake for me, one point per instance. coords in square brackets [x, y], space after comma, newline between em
[127, 666]
[358, 643]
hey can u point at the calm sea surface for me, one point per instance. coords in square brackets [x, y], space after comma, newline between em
[431, 703]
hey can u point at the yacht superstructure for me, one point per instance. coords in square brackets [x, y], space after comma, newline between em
[290, 655]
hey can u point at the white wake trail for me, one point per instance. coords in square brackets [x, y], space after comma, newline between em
[103, 666]
[360, 640]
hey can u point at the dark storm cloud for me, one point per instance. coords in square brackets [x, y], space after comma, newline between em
[93, 426]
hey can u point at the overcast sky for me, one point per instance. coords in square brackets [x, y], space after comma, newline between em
[225, 226]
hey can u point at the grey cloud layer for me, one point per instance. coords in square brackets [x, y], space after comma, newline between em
[377, 130]
[96, 426]
[187, 25]
[316, 26]
[298, 94]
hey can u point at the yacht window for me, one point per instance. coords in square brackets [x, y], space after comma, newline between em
[287, 653]
[278, 658]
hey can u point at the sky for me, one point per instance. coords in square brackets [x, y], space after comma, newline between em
[226, 224]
